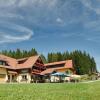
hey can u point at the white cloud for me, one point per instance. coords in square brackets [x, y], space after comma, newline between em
[10, 38]
[22, 3]
[56, 12]
[7, 38]
[94, 39]
[6, 3]
[48, 3]
[10, 15]
[22, 34]
[59, 20]
[88, 4]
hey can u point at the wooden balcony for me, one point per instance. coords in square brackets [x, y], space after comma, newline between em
[40, 65]
[37, 71]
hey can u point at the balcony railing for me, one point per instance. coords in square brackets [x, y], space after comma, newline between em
[35, 70]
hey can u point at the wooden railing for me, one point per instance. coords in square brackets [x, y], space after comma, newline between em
[40, 65]
[35, 70]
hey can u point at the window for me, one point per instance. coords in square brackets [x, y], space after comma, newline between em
[2, 62]
[24, 77]
[22, 61]
[56, 66]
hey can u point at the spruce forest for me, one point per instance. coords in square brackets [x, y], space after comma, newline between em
[83, 62]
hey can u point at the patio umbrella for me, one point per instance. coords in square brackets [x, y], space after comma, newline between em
[59, 74]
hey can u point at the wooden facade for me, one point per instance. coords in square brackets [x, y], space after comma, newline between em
[29, 69]
[61, 66]
[3, 74]
[26, 70]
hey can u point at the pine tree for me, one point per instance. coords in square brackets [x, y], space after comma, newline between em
[18, 54]
[82, 61]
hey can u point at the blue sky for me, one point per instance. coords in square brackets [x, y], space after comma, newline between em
[51, 25]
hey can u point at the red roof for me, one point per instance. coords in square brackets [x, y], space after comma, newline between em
[55, 63]
[67, 64]
[28, 63]
[13, 63]
[47, 71]
[10, 61]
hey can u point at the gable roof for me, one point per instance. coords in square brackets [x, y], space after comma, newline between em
[55, 63]
[28, 63]
[13, 63]
[22, 59]
[48, 71]
[67, 64]
[10, 61]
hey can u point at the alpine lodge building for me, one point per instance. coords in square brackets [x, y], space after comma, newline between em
[30, 69]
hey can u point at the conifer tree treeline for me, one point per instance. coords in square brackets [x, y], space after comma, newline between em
[83, 62]
[20, 53]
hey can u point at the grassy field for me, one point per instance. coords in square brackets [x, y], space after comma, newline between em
[65, 91]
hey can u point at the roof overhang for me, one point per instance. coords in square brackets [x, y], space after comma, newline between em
[12, 72]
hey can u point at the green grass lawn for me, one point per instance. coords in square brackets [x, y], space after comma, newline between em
[63, 91]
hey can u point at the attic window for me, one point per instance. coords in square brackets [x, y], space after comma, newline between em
[21, 61]
[2, 62]
[56, 66]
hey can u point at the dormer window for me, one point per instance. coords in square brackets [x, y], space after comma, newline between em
[22, 61]
[2, 62]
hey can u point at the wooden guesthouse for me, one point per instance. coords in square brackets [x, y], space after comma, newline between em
[30, 69]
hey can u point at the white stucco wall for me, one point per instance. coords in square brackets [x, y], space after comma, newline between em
[54, 79]
[19, 77]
